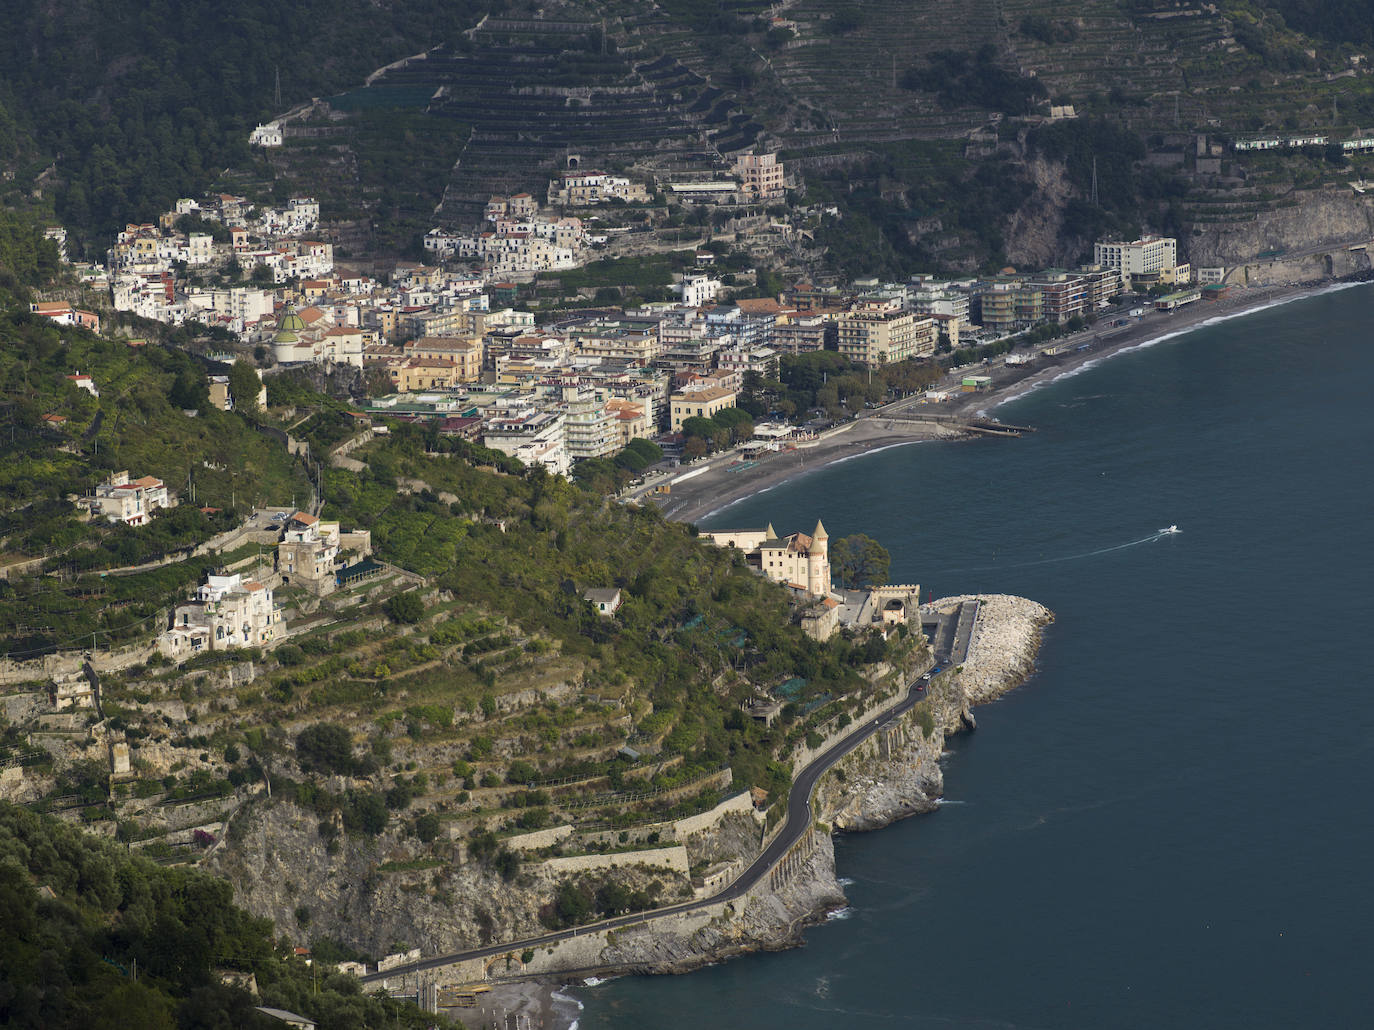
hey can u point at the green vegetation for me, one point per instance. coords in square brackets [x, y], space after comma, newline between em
[138, 110]
[97, 938]
[588, 899]
[26, 257]
[1340, 21]
[961, 79]
[859, 560]
[825, 380]
[706, 434]
[610, 475]
[136, 424]
[690, 614]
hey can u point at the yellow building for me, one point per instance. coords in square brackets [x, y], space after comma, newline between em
[631, 420]
[464, 351]
[411, 374]
[798, 561]
[875, 337]
[698, 404]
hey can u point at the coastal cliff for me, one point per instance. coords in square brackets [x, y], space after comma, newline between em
[372, 895]
[892, 775]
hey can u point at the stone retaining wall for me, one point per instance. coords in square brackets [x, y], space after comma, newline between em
[674, 858]
[706, 820]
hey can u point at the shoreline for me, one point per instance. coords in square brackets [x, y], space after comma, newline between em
[721, 481]
[879, 782]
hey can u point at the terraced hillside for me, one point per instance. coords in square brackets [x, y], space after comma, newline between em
[849, 57]
[680, 84]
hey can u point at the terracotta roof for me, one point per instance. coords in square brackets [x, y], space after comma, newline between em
[759, 306]
[304, 519]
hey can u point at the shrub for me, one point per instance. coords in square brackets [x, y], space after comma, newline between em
[405, 608]
[326, 747]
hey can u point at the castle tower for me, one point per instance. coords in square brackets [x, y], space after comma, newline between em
[818, 563]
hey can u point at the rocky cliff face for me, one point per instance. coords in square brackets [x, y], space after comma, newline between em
[379, 896]
[890, 777]
[1309, 219]
[768, 920]
[1034, 233]
[897, 773]
[374, 895]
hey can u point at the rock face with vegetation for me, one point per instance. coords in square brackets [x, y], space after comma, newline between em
[891, 776]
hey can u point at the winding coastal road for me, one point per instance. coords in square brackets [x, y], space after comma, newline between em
[799, 820]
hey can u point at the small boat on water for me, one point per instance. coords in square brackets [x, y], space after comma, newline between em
[1169, 530]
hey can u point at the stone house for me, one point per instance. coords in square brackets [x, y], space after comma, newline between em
[225, 612]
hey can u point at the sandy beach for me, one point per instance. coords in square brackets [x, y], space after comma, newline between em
[714, 483]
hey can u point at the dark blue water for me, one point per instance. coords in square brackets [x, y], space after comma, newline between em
[1169, 826]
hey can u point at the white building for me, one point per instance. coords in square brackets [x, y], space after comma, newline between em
[698, 290]
[132, 502]
[589, 429]
[798, 561]
[1150, 254]
[227, 611]
[269, 135]
[535, 437]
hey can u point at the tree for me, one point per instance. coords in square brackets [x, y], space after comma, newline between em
[244, 386]
[427, 827]
[859, 560]
[190, 390]
[325, 746]
[406, 608]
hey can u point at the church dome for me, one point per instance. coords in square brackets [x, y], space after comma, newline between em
[287, 331]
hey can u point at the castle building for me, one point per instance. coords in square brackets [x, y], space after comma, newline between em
[797, 561]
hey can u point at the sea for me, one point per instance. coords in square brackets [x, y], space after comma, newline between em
[1169, 825]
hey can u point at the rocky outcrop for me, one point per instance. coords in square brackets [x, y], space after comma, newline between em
[897, 773]
[375, 895]
[1304, 221]
[890, 776]
[764, 920]
[378, 895]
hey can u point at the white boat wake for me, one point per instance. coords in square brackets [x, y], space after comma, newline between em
[1157, 535]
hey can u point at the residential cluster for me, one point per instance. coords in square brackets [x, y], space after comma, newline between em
[159, 271]
[233, 611]
[519, 239]
[585, 387]
[453, 347]
[128, 501]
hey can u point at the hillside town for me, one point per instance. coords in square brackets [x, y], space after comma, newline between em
[454, 341]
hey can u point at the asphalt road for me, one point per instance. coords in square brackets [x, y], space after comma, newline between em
[799, 820]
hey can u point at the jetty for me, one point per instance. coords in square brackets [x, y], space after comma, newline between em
[976, 424]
